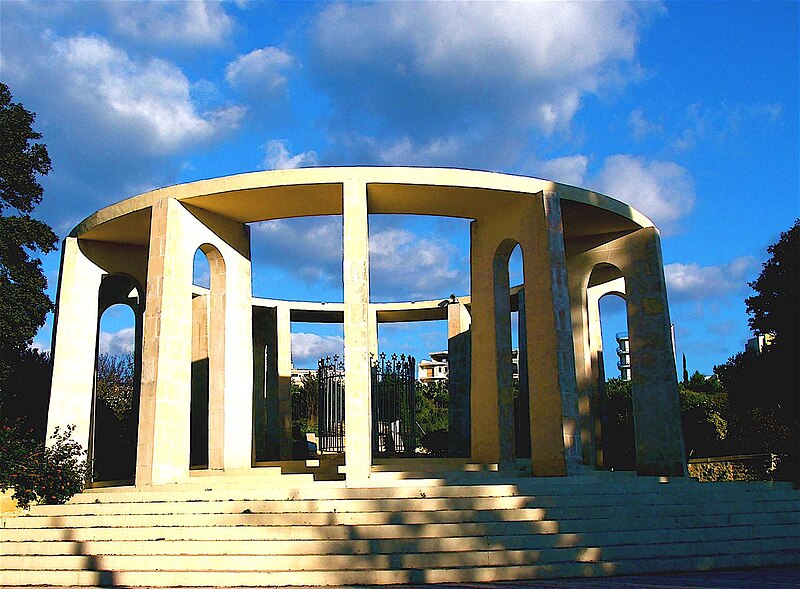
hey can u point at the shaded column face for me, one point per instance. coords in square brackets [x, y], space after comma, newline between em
[459, 357]
[357, 332]
[75, 338]
[562, 320]
[654, 382]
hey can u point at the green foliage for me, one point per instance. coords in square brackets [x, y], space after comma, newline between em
[115, 419]
[705, 422]
[764, 388]
[115, 382]
[26, 391]
[433, 399]
[23, 302]
[775, 308]
[432, 405]
[305, 405]
[618, 434]
[39, 474]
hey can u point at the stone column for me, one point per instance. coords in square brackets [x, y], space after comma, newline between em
[654, 382]
[176, 231]
[355, 272]
[272, 416]
[562, 319]
[163, 453]
[459, 357]
[261, 337]
[238, 353]
[486, 234]
[284, 405]
[522, 376]
[525, 223]
[74, 343]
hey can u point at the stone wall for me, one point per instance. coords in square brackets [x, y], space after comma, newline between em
[746, 467]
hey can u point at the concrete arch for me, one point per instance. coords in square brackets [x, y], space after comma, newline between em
[564, 232]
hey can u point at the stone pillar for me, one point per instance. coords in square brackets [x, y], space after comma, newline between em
[542, 341]
[74, 343]
[284, 389]
[524, 444]
[163, 453]
[654, 382]
[485, 237]
[459, 356]
[272, 417]
[261, 347]
[504, 363]
[355, 272]
[176, 231]
[562, 319]
[238, 354]
[523, 223]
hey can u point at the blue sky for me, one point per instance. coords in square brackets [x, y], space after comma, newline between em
[686, 110]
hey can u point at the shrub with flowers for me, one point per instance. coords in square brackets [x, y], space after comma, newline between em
[37, 473]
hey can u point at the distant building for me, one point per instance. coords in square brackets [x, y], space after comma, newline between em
[298, 374]
[624, 354]
[758, 343]
[437, 368]
[434, 370]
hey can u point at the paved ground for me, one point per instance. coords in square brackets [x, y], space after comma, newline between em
[766, 578]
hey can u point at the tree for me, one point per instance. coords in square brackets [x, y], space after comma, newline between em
[771, 379]
[764, 387]
[23, 302]
[775, 308]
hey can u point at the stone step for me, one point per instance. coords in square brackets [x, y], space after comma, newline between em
[94, 576]
[567, 507]
[232, 527]
[784, 534]
[403, 560]
[333, 490]
[244, 515]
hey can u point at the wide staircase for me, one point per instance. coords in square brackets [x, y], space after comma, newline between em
[278, 529]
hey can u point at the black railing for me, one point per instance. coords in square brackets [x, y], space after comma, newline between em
[330, 379]
[394, 421]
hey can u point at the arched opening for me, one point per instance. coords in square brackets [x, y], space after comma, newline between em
[423, 357]
[511, 407]
[519, 357]
[207, 369]
[290, 254]
[611, 403]
[115, 408]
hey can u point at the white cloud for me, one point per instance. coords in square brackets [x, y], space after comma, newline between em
[435, 72]
[694, 282]
[278, 157]
[187, 23]
[641, 126]
[723, 121]
[261, 70]
[309, 248]
[407, 266]
[144, 103]
[307, 348]
[112, 120]
[567, 170]
[117, 342]
[661, 190]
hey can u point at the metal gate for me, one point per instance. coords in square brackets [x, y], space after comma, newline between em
[330, 379]
[394, 412]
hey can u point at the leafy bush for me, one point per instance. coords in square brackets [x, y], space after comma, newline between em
[40, 474]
